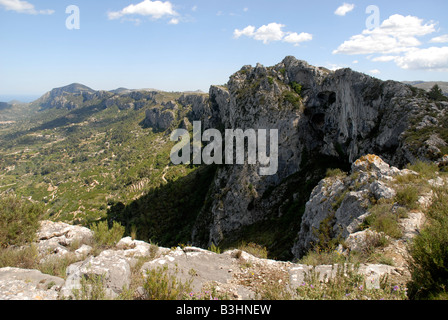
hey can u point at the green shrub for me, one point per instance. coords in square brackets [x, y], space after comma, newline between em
[160, 284]
[335, 173]
[214, 249]
[56, 266]
[254, 249]
[429, 255]
[328, 238]
[436, 94]
[297, 88]
[318, 257]
[107, 237]
[293, 99]
[384, 219]
[427, 170]
[24, 258]
[92, 288]
[348, 284]
[407, 196]
[19, 221]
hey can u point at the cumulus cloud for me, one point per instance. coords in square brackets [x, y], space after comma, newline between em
[22, 7]
[433, 58]
[440, 39]
[153, 9]
[396, 40]
[296, 38]
[375, 71]
[272, 32]
[396, 34]
[334, 66]
[344, 9]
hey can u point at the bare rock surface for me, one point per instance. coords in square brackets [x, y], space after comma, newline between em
[22, 284]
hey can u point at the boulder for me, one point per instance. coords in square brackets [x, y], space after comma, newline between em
[21, 284]
[374, 273]
[55, 238]
[112, 268]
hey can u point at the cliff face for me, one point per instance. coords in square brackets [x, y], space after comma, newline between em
[325, 119]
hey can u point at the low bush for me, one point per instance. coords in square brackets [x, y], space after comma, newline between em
[104, 236]
[407, 196]
[254, 249]
[384, 219]
[160, 284]
[318, 257]
[427, 170]
[92, 288]
[428, 253]
[19, 221]
[348, 284]
[335, 173]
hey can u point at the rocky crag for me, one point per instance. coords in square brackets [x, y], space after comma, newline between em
[367, 128]
[326, 119]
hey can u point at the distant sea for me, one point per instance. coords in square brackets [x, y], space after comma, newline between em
[21, 98]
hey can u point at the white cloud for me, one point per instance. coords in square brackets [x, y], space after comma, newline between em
[344, 9]
[296, 38]
[272, 32]
[375, 71]
[396, 40]
[266, 33]
[396, 34]
[441, 39]
[249, 31]
[22, 7]
[334, 66]
[435, 59]
[194, 9]
[153, 9]
[174, 21]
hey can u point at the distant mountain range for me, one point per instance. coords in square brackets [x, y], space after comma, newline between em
[427, 85]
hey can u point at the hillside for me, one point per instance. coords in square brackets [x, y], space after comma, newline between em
[16, 111]
[79, 160]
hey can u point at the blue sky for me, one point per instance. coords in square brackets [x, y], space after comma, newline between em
[181, 45]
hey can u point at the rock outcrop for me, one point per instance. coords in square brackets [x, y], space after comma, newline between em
[325, 119]
[234, 274]
[22, 284]
[342, 203]
[159, 119]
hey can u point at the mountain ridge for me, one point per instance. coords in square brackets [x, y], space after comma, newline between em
[326, 120]
[359, 160]
[428, 85]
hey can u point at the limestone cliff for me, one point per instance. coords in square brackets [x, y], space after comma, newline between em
[325, 119]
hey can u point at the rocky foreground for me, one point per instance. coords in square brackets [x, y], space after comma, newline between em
[234, 274]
